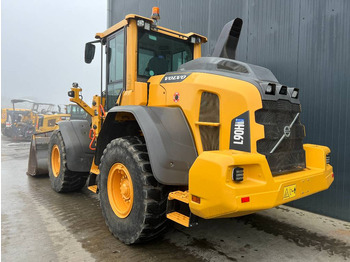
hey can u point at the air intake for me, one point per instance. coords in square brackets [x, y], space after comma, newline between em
[289, 155]
[209, 121]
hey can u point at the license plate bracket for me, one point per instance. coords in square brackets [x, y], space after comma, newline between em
[289, 191]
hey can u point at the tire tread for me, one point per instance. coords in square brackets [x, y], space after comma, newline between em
[154, 193]
[67, 181]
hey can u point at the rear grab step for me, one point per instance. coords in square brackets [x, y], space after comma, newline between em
[178, 209]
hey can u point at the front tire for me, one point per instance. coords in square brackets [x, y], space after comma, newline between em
[133, 203]
[62, 179]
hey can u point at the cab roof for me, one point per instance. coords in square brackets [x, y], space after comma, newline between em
[160, 29]
[14, 101]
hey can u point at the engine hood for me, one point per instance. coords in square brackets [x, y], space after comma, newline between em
[260, 77]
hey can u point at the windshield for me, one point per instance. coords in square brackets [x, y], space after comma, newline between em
[43, 108]
[158, 54]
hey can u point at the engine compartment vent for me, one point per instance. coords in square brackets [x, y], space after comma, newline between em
[289, 155]
[209, 121]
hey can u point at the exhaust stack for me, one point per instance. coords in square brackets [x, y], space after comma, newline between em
[228, 40]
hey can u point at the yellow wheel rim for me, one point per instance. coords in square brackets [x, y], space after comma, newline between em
[55, 160]
[120, 190]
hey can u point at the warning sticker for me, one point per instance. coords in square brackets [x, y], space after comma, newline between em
[289, 191]
[176, 97]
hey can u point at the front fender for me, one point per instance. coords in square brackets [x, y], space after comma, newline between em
[76, 139]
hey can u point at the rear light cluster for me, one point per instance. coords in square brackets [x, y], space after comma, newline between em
[271, 90]
[237, 174]
[283, 90]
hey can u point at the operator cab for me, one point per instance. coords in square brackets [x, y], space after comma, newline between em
[137, 49]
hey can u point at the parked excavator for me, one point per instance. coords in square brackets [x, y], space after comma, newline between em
[176, 136]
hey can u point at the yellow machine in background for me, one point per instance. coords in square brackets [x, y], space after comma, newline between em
[47, 123]
[6, 114]
[20, 124]
[76, 112]
[178, 136]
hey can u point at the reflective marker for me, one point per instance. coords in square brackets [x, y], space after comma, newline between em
[196, 199]
[245, 199]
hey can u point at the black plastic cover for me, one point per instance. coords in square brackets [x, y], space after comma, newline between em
[76, 139]
[168, 139]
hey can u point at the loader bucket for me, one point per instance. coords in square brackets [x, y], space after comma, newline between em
[38, 154]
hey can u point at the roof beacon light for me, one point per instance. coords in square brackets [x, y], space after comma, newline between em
[155, 14]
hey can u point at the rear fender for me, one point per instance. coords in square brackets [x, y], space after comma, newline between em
[169, 140]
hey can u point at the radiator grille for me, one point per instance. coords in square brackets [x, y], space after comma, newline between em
[289, 156]
[209, 113]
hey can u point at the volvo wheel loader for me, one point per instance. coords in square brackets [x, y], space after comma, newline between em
[176, 136]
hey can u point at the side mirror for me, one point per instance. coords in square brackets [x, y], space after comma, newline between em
[89, 52]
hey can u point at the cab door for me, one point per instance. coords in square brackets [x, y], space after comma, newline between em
[115, 67]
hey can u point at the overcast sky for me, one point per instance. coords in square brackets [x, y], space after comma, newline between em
[42, 45]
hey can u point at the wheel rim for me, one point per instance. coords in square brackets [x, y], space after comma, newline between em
[120, 190]
[55, 160]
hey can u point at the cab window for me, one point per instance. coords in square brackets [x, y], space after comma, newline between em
[115, 68]
[158, 54]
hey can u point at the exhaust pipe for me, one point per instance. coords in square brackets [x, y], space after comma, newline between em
[228, 40]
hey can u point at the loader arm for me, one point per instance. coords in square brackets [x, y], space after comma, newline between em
[75, 98]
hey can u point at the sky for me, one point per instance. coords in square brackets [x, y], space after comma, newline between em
[42, 48]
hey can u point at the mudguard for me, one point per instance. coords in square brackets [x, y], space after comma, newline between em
[168, 139]
[75, 135]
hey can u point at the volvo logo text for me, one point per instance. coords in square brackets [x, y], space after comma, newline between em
[286, 133]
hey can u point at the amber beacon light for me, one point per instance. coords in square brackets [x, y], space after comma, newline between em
[155, 14]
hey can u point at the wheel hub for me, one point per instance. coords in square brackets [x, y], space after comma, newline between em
[55, 160]
[120, 190]
[125, 188]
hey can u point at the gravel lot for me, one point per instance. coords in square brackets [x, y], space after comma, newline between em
[41, 225]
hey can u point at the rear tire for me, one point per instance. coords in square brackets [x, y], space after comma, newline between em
[133, 203]
[62, 179]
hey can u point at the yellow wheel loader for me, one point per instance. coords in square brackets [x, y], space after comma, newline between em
[13, 117]
[20, 124]
[176, 136]
[76, 112]
[7, 114]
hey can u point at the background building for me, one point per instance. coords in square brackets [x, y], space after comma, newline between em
[306, 44]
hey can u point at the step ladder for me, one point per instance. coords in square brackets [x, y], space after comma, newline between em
[92, 183]
[178, 209]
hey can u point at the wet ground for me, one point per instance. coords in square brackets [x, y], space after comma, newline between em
[41, 225]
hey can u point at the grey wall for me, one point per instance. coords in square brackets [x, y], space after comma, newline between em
[305, 43]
